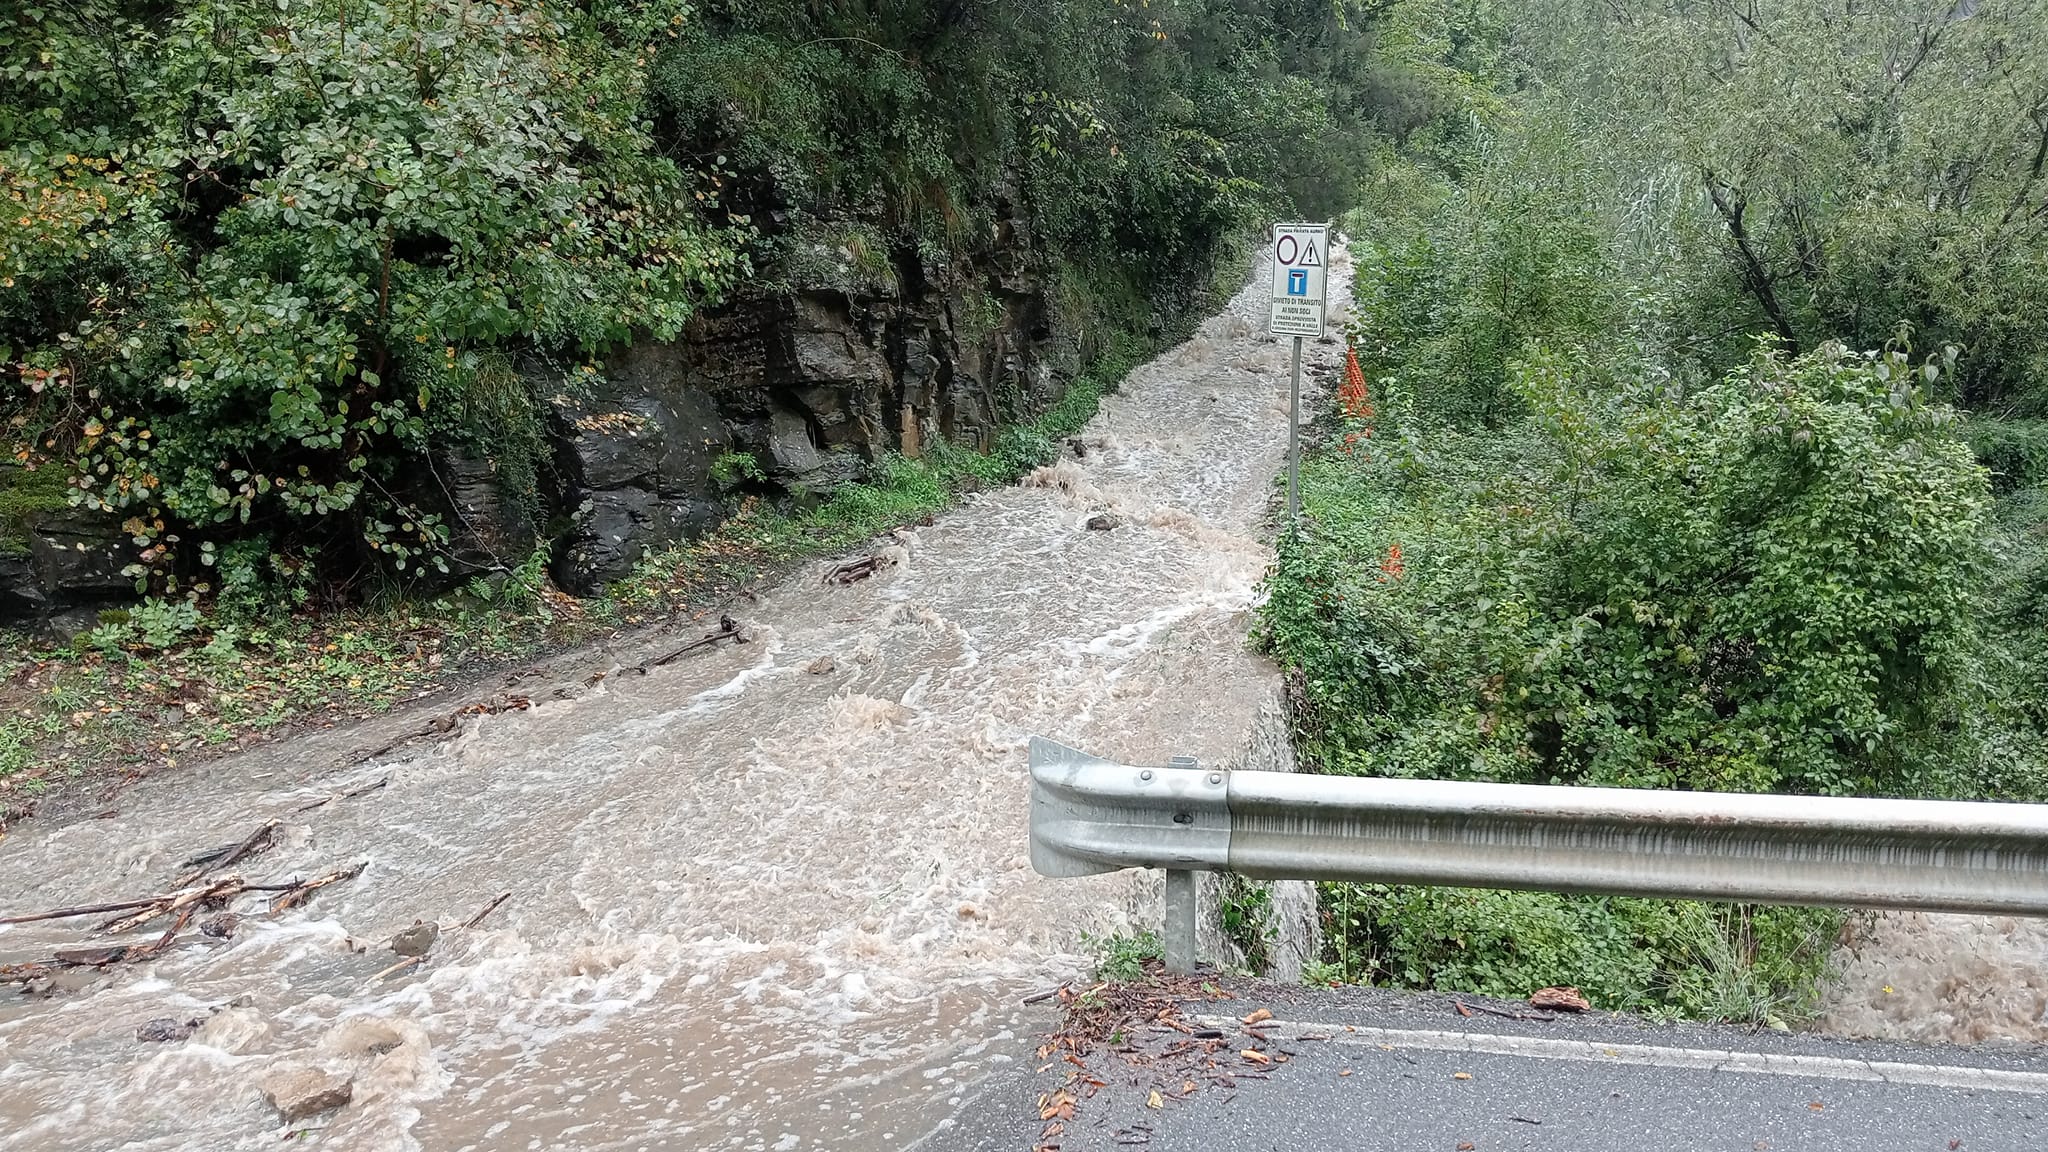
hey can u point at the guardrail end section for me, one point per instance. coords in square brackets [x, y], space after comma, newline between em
[1055, 814]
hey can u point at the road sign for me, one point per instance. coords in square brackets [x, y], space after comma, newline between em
[1300, 258]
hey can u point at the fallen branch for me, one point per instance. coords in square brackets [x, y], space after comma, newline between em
[253, 842]
[856, 570]
[220, 891]
[23, 973]
[408, 962]
[301, 893]
[477, 919]
[351, 794]
[82, 910]
[728, 629]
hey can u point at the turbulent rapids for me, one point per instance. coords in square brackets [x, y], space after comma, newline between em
[771, 895]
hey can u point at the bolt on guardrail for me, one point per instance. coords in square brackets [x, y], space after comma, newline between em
[1090, 815]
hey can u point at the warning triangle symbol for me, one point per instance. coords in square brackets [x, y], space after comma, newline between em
[1309, 259]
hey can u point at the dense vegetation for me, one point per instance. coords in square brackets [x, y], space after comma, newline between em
[262, 262]
[261, 259]
[1678, 326]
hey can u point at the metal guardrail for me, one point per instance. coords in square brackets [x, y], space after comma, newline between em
[1090, 815]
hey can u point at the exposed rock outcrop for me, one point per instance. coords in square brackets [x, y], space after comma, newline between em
[842, 352]
[799, 389]
[58, 564]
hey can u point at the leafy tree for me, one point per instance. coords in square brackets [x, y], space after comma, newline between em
[253, 244]
[1820, 172]
[263, 260]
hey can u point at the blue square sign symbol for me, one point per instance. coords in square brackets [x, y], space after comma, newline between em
[1297, 282]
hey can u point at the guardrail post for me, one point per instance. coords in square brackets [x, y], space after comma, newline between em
[1180, 921]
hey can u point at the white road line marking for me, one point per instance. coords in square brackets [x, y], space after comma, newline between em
[1656, 1056]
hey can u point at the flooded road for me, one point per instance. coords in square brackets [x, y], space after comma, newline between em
[771, 896]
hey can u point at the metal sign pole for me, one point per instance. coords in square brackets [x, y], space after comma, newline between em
[1294, 444]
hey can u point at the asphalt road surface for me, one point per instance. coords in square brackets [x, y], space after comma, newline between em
[1372, 1071]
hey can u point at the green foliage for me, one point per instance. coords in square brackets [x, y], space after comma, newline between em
[1123, 957]
[264, 263]
[732, 469]
[1459, 277]
[259, 252]
[1588, 529]
[1244, 912]
[25, 493]
[1766, 583]
[2015, 452]
[1817, 173]
[1657, 957]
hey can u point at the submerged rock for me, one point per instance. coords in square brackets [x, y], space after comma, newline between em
[417, 940]
[166, 1030]
[298, 1092]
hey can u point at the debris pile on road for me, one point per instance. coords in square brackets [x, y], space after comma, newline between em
[1138, 1031]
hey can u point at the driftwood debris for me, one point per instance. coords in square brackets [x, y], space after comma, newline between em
[728, 629]
[252, 843]
[181, 904]
[854, 571]
[351, 794]
[408, 962]
[300, 893]
[188, 900]
[477, 919]
[81, 910]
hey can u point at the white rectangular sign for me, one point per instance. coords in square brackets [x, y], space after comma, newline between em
[1301, 256]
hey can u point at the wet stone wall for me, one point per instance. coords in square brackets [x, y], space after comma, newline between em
[824, 365]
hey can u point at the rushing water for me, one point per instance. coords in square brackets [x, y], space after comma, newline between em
[761, 899]
[1939, 978]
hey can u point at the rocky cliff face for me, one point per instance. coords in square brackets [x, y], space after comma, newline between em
[841, 353]
[861, 356]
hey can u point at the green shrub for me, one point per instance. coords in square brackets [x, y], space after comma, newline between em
[1661, 957]
[1778, 581]
[1768, 583]
[1123, 957]
[270, 242]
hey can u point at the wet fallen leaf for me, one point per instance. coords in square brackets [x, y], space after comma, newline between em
[1154, 1101]
[1187, 1087]
[1461, 1076]
[1261, 1014]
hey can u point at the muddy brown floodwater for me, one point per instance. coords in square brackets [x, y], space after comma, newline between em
[761, 899]
[756, 906]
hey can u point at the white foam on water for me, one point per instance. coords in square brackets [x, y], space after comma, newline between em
[752, 906]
